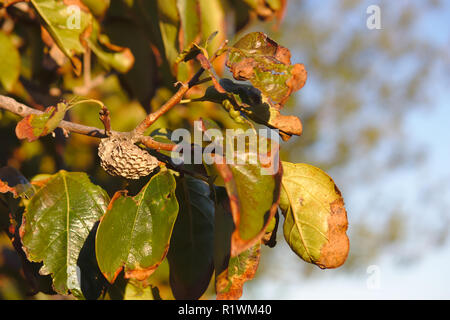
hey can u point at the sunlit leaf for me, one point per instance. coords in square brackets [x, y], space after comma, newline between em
[72, 27]
[169, 25]
[111, 56]
[97, 7]
[66, 26]
[252, 179]
[141, 80]
[34, 126]
[135, 231]
[267, 65]
[242, 268]
[56, 223]
[315, 218]
[212, 19]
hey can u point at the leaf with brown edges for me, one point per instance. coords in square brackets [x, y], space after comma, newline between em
[252, 180]
[135, 231]
[315, 217]
[35, 126]
[267, 65]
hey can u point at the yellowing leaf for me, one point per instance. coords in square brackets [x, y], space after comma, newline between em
[34, 126]
[242, 268]
[315, 218]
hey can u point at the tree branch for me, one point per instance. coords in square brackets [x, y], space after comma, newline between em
[22, 110]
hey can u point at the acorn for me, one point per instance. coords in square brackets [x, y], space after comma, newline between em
[119, 156]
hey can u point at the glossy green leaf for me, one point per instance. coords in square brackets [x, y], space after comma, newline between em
[267, 65]
[315, 218]
[9, 62]
[135, 231]
[34, 126]
[56, 223]
[253, 188]
[191, 246]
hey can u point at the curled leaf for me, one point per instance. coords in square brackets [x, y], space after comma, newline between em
[267, 65]
[34, 126]
[72, 28]
[249, 101]
[252, 180]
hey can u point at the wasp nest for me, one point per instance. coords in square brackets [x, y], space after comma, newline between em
[121, 157]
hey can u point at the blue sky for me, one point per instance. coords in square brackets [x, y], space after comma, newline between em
[416, 268]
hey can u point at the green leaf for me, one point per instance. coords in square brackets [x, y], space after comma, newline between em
[9, 62]
[253, 188]
[135, 231]
[242, 268]
[34, 126]
[231, 272]
[66, 27]
[56, 223]
[315, 218]
[191, 246]
[189, 19]
[267, 65]
[74, 27]
[212, 19]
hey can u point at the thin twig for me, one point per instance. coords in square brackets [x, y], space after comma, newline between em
[22, 110]
[174, 100]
